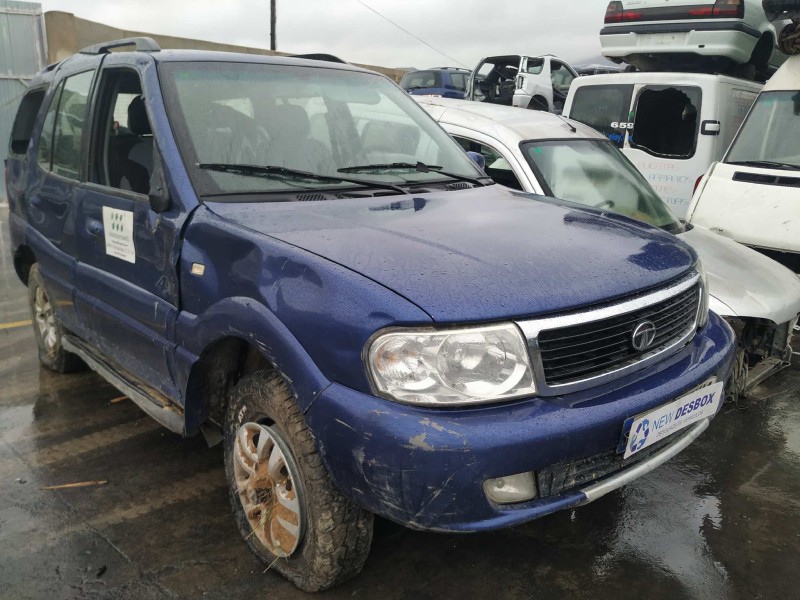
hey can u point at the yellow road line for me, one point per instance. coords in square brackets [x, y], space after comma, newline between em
[14, 324]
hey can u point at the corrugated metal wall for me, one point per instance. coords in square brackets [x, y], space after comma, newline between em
[22, 54]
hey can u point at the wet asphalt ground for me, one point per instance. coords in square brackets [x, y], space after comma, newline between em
[721, 520]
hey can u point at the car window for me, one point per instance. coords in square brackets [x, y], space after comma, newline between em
[70, 125]
[771, 133]
[667, 121]
[497, 167]
[561, 76]
[596, 173]
[123, 145]
[318, 121]
[534, 66]
[421, 79]
[44, 149]
[605, 108]
[25, 120]
[459, 81]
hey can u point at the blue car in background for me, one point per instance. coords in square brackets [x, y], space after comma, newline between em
[445, 82]
[291, 257]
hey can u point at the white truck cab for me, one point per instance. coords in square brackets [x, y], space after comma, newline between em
[672, 126]
[753, 195]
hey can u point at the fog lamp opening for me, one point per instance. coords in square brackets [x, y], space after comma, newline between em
[511, 489]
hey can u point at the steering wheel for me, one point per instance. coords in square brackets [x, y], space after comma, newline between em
[605, 203]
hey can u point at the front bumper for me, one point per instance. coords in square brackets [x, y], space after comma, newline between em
[735, 41]
[425, 468]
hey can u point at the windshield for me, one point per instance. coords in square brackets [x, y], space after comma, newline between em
[595, 173]
[319, 121]
[771, 133]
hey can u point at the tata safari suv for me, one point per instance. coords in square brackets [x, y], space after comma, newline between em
[291, 256]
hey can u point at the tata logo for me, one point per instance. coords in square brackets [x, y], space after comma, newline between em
[643, 336]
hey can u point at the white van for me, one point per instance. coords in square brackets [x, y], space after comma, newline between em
[672, 126]
[753, 195]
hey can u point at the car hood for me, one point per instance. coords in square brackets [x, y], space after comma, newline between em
[477, 255]
[747, 283]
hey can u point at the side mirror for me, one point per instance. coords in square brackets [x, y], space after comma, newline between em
[477, 159]
[159, 192]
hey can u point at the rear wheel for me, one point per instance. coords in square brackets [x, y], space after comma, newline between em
[46, 328]
[285, 504]
[781, 9]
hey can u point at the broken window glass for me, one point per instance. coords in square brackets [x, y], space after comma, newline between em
[666, 121]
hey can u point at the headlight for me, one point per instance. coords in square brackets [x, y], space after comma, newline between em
[451, 367]
[702, 315]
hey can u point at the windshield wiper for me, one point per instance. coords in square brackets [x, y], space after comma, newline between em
[420, 167]
[286, 173]
[767, 164]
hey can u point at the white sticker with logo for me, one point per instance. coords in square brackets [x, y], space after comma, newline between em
[665, 420]
[118, 228]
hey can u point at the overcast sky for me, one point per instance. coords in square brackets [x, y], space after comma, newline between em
[464, 30]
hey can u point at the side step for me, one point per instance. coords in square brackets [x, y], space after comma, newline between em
[149, 400]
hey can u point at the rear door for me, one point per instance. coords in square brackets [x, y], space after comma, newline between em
[49, 193]
[126, 276]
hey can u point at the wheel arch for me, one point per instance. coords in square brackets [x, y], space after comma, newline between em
[235, 338]
[24, 259]
[763, 49]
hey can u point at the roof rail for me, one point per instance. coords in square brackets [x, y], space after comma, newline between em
[143, 44]
[320, 56]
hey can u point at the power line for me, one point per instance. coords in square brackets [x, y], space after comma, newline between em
[419, 39]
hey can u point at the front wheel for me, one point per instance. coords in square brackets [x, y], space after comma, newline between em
[285, 504]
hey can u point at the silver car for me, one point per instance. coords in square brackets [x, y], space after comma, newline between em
[545, 154]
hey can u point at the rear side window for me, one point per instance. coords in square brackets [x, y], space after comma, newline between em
[422, 79]
[605, 108]
[25, 120]
[667, 120]
[459, 81]
[70, 125]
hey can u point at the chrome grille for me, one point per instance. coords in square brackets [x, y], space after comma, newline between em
[585, 350]
[576, 351]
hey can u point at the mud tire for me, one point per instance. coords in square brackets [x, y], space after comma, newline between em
[53, 357]
[338, 533]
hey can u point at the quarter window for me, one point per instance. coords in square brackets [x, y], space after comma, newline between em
[70, 125]
[25, 120]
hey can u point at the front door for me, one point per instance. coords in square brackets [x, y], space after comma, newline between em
[126, 275]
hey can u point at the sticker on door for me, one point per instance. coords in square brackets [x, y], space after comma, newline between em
[118, 227]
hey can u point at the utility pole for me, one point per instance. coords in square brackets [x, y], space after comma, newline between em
[273, 42]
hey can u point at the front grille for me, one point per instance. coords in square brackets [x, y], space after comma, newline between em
[564, 477]
[578, 352]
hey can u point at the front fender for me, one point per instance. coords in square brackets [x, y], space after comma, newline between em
[246, 319]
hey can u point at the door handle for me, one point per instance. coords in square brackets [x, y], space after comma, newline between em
[94, 227]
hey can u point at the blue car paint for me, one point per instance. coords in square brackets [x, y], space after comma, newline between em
[424, 468]
[447, 89]
[479, 255]
[308, 286]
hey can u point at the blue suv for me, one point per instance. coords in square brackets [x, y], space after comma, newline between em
[444, 82]
[289, 256]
